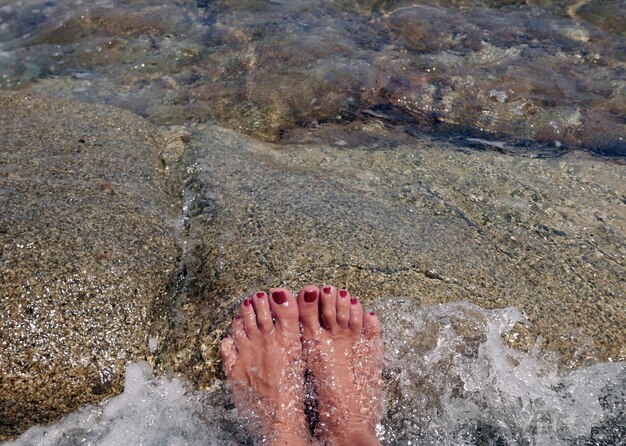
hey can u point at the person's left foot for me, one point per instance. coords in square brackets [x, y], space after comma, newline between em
[343, 349]
[264, 367]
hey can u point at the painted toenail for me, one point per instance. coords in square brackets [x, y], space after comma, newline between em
[310, 296]
[353, 301]
[327, 289]
[343, 293]
[238, 317]
[246, 302]
[372, 313]
[260, 294]
[279, 297]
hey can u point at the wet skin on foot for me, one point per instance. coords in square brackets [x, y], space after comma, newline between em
[263, 364]
[342, 348]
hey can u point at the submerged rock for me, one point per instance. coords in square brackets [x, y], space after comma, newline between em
[369, 203]
[491, 69]
[87, 251]
[433, 222]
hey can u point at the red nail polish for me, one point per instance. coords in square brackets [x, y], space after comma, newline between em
[260, 294]
[279, 297]
[238, 317]
[246, 302]
[310, 296]
[343, 293]
[327, 289]
[372, 313]
[353, 301]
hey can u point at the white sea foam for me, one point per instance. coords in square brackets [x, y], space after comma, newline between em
[451, 381]
[150, 411]
[455, 382]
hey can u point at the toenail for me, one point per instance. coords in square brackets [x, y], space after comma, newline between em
[353, 301]
[260, 294]
[310, 296]
[372, 313]
[343, 293]
[238, 317]
[327, 289]
[247, 302]
[279, 297]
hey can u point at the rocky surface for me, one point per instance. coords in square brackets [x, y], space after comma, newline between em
[431, 221]
[87, 252]
[550, 72]
[356, 195]
[88, 246]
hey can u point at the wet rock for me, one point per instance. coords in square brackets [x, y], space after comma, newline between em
[432, 222]
[491, 69]
[87, 252]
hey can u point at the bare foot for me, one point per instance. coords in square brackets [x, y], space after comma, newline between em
[264, 367]
[343, 350]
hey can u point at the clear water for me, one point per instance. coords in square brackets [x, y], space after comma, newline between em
[450, 377]
[545, 75]
[536, 73]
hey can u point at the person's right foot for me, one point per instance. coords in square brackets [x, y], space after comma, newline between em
[263, 364]
[343, 350]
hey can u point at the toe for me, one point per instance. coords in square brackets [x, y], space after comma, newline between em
[239, 332]
[343, 308]
[356, 317]
[249, 318]
[285, 308]
[308, 305]
[328, 307]
[371, 326]
[229, 354]
[328, 304]
[263, 313]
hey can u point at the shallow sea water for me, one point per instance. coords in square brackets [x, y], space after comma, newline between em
[538, 77]
[532, 73]
[450, 380]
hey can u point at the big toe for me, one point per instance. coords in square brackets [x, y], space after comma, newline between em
[285, 308]
[308, 304]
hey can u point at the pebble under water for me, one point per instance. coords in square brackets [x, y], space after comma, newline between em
[450, 379]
